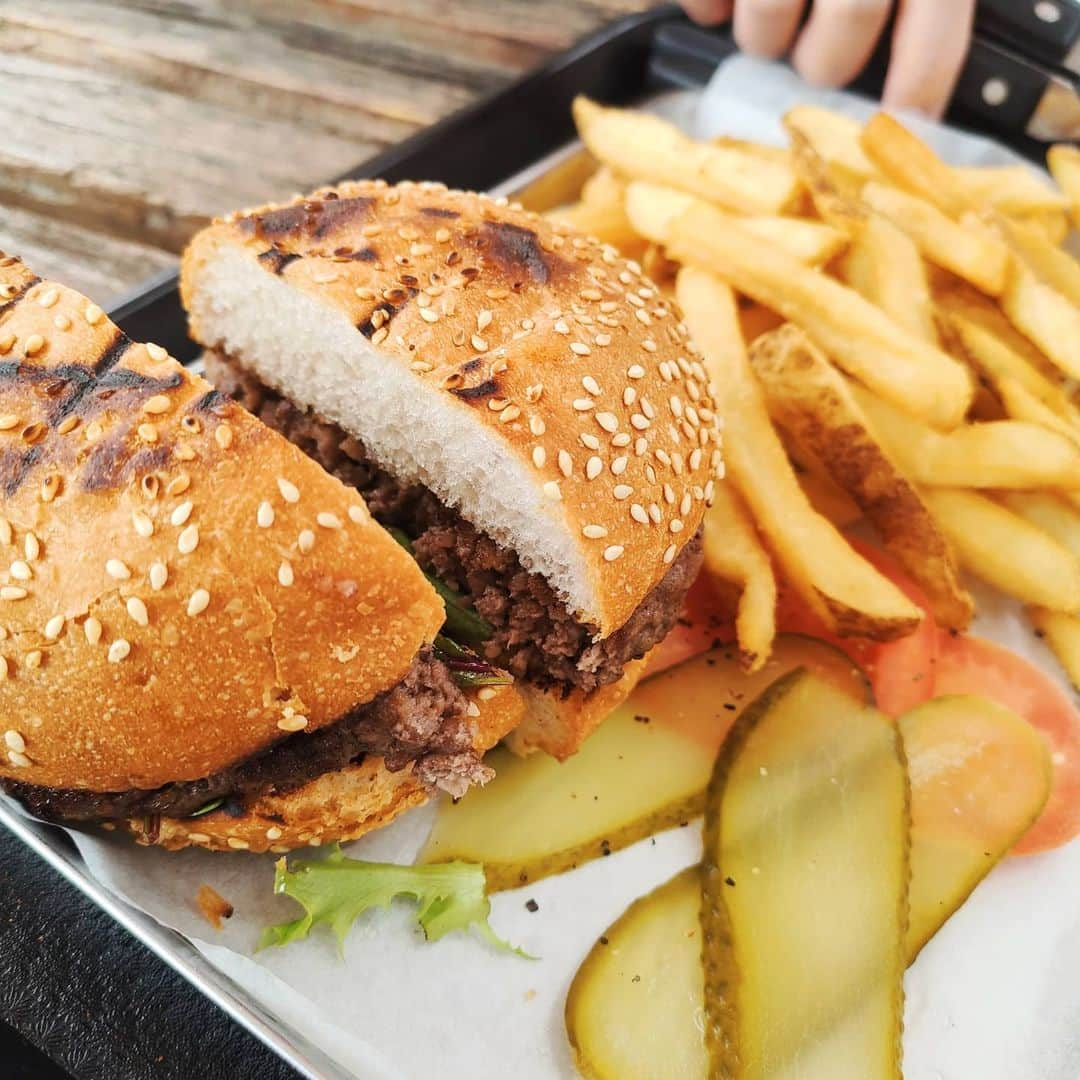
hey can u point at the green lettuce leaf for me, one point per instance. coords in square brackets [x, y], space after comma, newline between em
[337, 890]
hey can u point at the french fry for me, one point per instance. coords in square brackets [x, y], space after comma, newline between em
[883, 265]
[1054, 267]
[1021, 404]
[998, 351]
[1043, 315]
[1062, 633]
[1064, 164]
[1056, 516]
[755, 319]
[834, 136]
[1012, 189]
[975, 255]
[845, 590]
[778, 155]
[600, 212]
[909, 162]
[812, 400]
[1054, 225]
[858, 336]
[834, 195]
[734, 553]
[652, 208]
[1005, 550]
[826, 496]
[645, 147]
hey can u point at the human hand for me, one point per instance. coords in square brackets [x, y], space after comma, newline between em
[929, 42]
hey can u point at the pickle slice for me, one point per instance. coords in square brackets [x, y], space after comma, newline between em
[635, 1008]
[980, 776]
[804, 889]
[644, 769]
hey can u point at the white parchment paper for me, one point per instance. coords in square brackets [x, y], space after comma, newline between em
[996, 995]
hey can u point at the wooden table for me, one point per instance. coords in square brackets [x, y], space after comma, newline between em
[128, 123]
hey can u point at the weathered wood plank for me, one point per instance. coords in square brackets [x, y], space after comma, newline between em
[355, 74]
[100, 266]
[140, 163]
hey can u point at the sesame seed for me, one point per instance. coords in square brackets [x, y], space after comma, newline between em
[19, 759]
[478, 343]
[188, 540]
[180, 515]
[380, 336]
[561, 327]
[69, 423]
[293, 723]
[647, 408]
[583, 404]
[306, 540]
[223, 436]
[442, 236]
[566, 463]
[285, 575]
[710, 487]
[156, 405]
[237, 843]
[537, 425]
[289, 491]
[639, 421]
[594, 532]
[608, 306]
[34, 344]
[590, 441]
[157, 354]
[655, 513]
[14, 741]
[92, 630]
[511, 412]
[622, 491]
[472, 709]
[602, 340]
[669, 555]
[613, 552]
[534, 393]
[273, 833]
[117, 569]
[93, 314]
[579, 348]
[33, 659]
[264, 516]
[629, 396]
[6, 343]
[497, 404]
[137, 610]
[620, 439]
[593, 468]
[685, 504]
[358, 514]
[618, 466]
[486, 693]
[21, 571]
[641, 446]
[649, 345]
[119, 650]
[3, 668]
[429, 315]
[48, 298]
[8, 421]
[50, 487]
[199, 602]
[551, 490]
[539, 456]
[591, 385]
[635, 371]
[639, 513]
[608, 421]
[328, 520]
[159, 575]
[634, 301]
[669, 494]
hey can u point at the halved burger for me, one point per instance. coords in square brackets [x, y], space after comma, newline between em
[204, 638]
[517, 402]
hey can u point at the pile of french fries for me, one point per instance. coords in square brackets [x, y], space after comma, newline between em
[892, 339]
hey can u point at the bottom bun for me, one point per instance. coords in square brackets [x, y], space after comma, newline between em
[559, 725]
[332, 808]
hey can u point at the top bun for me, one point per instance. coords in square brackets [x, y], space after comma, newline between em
[179, 586]
[532, 378]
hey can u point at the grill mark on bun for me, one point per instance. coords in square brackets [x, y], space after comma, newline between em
[488, 388]
[439, 212]
[394, 302]
[275, 260]
[111, 354]
[313, 218]
[213, 401]
[514, 248]
[113, 462]
[20, 295]
[365, 254]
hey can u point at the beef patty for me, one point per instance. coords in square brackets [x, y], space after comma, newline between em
[536, 638]
[420, 720]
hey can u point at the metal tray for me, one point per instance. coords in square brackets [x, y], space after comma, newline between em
[487, 146]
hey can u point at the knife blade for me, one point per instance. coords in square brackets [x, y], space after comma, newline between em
[1046, 30]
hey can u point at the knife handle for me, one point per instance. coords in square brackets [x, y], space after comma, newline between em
[999, 88]
[1043, 29]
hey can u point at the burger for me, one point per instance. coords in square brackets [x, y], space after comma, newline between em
[204, 638]
[517, 403]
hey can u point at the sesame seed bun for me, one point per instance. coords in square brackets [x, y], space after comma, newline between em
[530, 377]
[179, 586]
[333, 808]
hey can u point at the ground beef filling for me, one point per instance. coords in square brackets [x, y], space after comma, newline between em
[536, 638]
[420, 720]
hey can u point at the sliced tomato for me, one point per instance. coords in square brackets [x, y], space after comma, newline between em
[901, 672]
[973, 665]
[702, 624]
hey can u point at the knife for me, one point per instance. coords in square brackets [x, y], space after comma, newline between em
[1046, 30]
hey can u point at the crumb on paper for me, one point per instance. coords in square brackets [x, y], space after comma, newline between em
[530, 994]
[213, 906]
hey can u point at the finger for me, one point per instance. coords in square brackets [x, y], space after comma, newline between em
[838, 39]
[708, 12]
[766, 27]
[929, 46]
